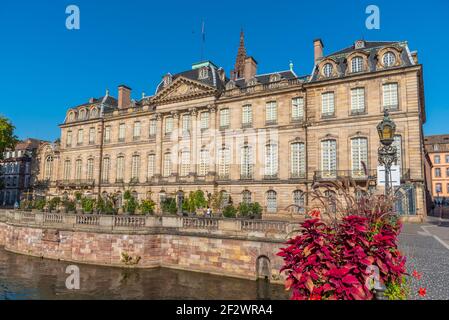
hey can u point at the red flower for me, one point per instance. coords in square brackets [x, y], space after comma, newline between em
[315, 297]
[422, 292]
[417, 275]
[315, 213]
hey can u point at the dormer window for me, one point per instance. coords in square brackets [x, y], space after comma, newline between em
[275, 77]
[252, 82]
[357, 64]
[327, 70]
[230, 85]
[82, 114]
[203, 74]
[389, 59]
[71, 116]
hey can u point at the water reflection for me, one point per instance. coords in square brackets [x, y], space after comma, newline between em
[23, 277]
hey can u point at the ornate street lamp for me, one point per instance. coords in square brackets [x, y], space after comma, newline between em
[387, 153]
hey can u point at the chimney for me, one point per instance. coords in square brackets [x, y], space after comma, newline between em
[124, 97]
[415, 56]
[250, 68]
[318, 49]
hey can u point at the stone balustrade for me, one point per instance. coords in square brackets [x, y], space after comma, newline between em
[275, 230]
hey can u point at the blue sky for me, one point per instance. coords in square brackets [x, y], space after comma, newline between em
[45, 68]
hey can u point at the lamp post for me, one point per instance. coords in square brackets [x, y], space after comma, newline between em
[387, 153]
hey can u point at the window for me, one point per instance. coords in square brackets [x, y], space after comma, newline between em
[82, 114]
[67, 167]
[357, 64]
[186, 124]
[137, 130]
[48, 170]
[135, 168]
[272, 205]
[107, 134]
[329, 158]
[271, 160]
[297, 160]
[298, 201]
[153, 127]
[92, 136]
[167, 164]
[90, 169]
[397, 142]
[327, 104]
[437, 159]
[203, 74]
[246, 197]
[438, 188]
[447, 158]
[224, 118]
[437, 172]
[447, 188]
[204, 162]
[389, 59]
[121, 132]
[185, 163]
[204, 120]
[327, 70]
[71, 116]
[297, 109]
[69, 139]
[246, 169]
[120, 168]
[247, 115]
[271, 112]
[80, 137]
[168, 125]
[359, 156]
[105, 170]
[447, 172]
[224, 163]
[390, 96]
[78, 169]
[151, 165]
[357, 100]
[93, 113]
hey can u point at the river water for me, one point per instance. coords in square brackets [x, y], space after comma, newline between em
[23, 277]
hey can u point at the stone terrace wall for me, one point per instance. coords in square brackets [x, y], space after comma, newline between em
[225, 247]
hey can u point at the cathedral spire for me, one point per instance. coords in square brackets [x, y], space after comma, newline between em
[240, 61]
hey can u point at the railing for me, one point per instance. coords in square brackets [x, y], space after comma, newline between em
[200, 223]
[75, 183]
[254, 225]
[129, 221]
[53, 218]
[329, 175]
[88, 220]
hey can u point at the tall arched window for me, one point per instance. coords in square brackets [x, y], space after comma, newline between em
[185, 163]
[78, 169]
[329, 158]
[167, 164]
[204, 162]
[120, 168]
[48, 170]
[246, 196]
[224, 162]
[105, 171]
[151, 165]
[135, 167]
[298, 200]
[357, 64]
[246, 169]
[272, 205]
[271, 160]
[359, 156]
[297, 160]
[67, 169]
[90, 169]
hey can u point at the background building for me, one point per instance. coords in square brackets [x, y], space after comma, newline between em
[255, 137]
[16, 172]
[437, 148]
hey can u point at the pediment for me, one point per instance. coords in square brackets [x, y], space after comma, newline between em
[182, 89]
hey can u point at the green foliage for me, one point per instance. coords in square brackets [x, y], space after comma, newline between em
[26, 205]
[127, 195]
[88, 204]
[54, 203]
[229, 211]
[250, 210]
[147, 206]
[398, 291]
[7, 137]
[69, 205]
[39, 204]
[216, 201]
[78, 196]
[168, 205]
[131, 204]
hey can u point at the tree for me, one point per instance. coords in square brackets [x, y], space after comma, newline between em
[7, 137]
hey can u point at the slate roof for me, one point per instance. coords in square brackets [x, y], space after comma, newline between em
[265, 78]
[371, 48]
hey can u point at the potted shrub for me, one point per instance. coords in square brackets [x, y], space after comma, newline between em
[53, 204]
[168, 205]
[88, 205]
[39, 205]
[147, 206]
[130, 204]
[70, 206]
[229, 211]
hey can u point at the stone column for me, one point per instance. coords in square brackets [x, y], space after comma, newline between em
[194, 141]
[175, 145]
[159, 151]
[213, 138]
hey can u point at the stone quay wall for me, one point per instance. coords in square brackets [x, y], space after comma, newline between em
[230, 247]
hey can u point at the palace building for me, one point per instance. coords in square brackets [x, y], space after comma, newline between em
[437, 148]
[263, 138]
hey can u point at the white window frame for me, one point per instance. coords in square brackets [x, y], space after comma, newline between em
[297, 160]
[359, 154]
[329, 158]
[271, 160]
[390, 95]
[298, 109]
[247, 115]
[357, 64]
[224, 117]
[328, 104]
[357, 100]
